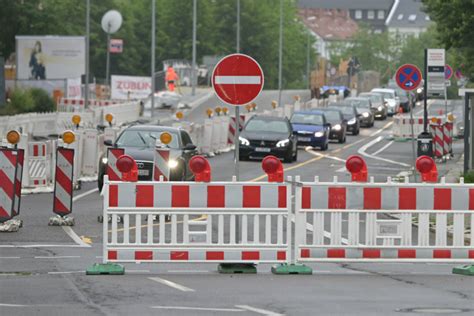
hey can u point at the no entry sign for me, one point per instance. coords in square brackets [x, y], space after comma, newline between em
[408, 77]
[237, 79]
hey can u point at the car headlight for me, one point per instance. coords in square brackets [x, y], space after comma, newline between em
[419, 90]
[365, 114]
[172, 163]
[337, 127]
[244, 141]
[380, 108]
[350, 122]
[283, 143]
[104, 160]
[319, 134]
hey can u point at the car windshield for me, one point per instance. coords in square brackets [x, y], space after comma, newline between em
[333, 116]
[359, 103]
[136, 138]
[346, 110]
[386, 95]
[267, 126]
[307, 119]
[376, 98]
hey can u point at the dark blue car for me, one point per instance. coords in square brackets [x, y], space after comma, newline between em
[311, 128]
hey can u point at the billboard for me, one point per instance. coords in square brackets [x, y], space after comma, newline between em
[50, 57]
[130, 87]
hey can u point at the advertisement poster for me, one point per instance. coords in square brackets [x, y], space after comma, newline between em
[50, 57]
[130, 87]
[74, 88]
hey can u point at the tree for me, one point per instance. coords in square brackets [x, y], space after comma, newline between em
[455, 27]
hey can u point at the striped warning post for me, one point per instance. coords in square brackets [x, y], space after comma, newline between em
[112, 155]
[438, 141]
[18, 179]
[63, 181]
[8, 163]
[232, 127]
[160, 164]
[448, 138]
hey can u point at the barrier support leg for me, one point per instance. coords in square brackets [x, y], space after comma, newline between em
[293, 268]
[241, 268]
[464, 270]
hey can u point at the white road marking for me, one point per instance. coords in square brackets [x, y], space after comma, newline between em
[56, 257]
[327, 156]
[172, 284]
[383, 148]
[209, 309]
[71, 233]
[373, 142]
[65, 272]
[237, 80]
[9, 257]
[80, 196]
[138, 271]
[258, 310]
[382, 129]
[12, 305]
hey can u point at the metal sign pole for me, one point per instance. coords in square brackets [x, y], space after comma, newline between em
[237, 142]
[107, 72]
[425, 99]
[413, 140]
[86, 89]
[153, 45]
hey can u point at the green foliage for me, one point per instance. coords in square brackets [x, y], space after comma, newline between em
[28, 100]
[216, 32]
[468, 177]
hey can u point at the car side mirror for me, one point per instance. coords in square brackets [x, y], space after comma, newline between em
[108, 142]
[190, 147]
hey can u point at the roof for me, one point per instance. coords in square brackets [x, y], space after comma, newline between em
[314, 112]
[157, 128]
[329, 24]
[347, 4]
[408, 14]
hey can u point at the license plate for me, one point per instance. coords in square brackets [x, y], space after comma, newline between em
[143, 172]
[262, 150]
[304, 139]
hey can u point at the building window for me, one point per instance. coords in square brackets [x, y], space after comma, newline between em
[381, 14]
[358, 14]
[371, 14]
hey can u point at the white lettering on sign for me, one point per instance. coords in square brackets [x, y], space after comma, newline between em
[130, 87]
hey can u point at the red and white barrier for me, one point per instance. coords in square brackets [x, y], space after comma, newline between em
[8, 166]
[160, 164]
[113, 155]
[385, 238]
[39, 159]
[63, 181]
[18, 181]
[233, 128]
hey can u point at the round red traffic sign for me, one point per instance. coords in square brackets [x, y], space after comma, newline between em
[237, 79]
[448, 72]
[408, 77]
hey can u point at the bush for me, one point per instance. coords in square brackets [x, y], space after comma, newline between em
[468, 176]
[28, 100]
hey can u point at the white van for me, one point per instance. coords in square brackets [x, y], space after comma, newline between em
[393, 101]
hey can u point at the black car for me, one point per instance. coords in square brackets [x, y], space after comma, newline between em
[405, 100]
[268, 135]
[139, 142]
[350, 115]
[338, 123]
[379, 105]
[365, 111]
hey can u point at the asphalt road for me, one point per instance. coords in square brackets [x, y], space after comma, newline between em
[42, 267]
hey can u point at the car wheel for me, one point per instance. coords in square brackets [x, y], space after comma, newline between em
[342, 139]
[355, 131]
[100, 182]
[242, 158]
[288, 156]
[324, 147]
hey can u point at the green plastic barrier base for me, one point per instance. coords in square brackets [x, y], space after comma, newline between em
[106, 269]
[464, 270]
[244, 268]
[291, 269]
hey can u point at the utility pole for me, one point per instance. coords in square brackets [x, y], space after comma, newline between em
[308, 85]
[280, 54]
[153, 34]
[86, 89]
[193, 71]
[237, 108]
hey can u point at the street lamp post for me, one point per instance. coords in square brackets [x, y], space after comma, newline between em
[153, 83]
[280, 54]
[193, 71]
[86, 89]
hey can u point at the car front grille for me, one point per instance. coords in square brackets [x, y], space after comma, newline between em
[263, 143]
[145, 165]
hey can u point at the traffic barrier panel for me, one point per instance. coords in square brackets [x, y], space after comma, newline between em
[63, 181]
[233, 127]
[387, 212]
[206, 146]
[8, 166]
[185, 202]
[216, 129]
[224, 130]
[18, 181]
[160, 164]
[448, 138]
[91, 149]
[113, 155]
[437, 130]
[39, 159]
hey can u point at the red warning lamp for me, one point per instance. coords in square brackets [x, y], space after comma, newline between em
[128, 167]
[201, 169]
[427, 167]
[273, 168]
[357, 167]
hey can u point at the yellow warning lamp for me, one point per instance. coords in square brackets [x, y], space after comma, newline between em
[434, 120]
[165, 138]
[76, 120]
[209, 112]
[296, 97]
[225, 110]
[69, 137]
[109, 118]
[179, 115]
[248, 107]
[274, 104]
[218, 110]
[13, 137]
[253, 105]
[450, 117]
